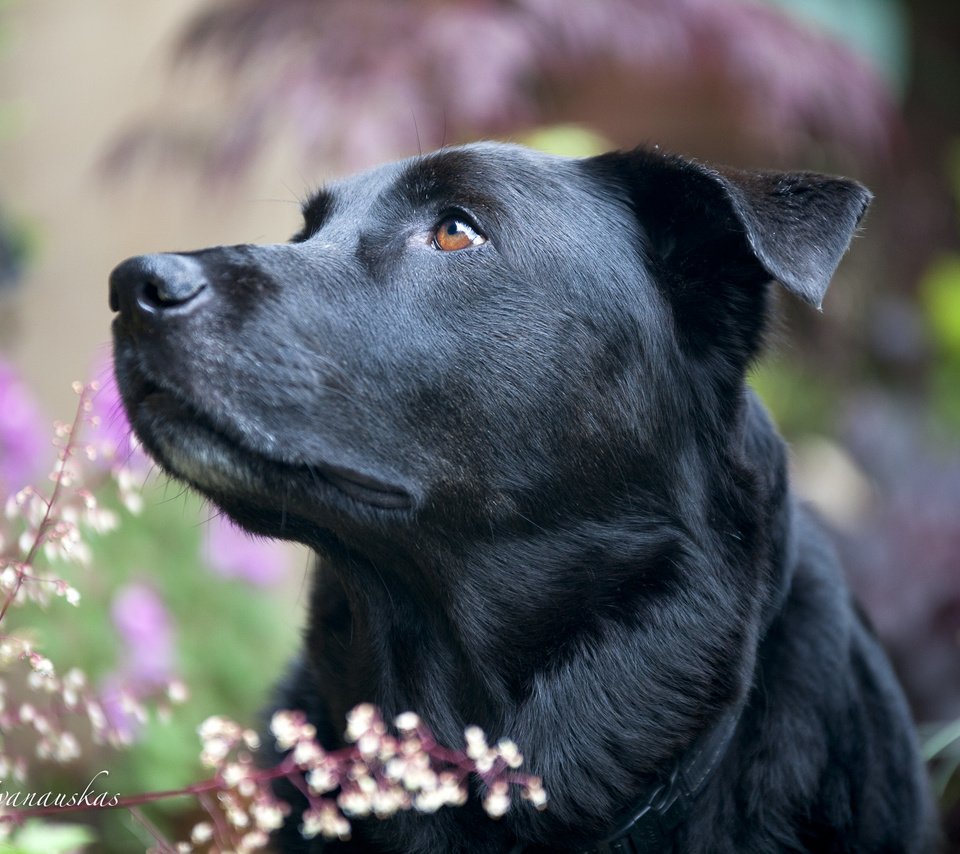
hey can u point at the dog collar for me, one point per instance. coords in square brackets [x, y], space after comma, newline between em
[650, 827]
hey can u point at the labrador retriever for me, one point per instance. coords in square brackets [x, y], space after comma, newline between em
[502, 395]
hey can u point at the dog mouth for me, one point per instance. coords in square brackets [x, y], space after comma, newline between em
[219, 459]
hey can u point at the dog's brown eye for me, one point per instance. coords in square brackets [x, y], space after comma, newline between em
[453, 234]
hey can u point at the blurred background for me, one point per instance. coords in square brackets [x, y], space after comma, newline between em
[136, 127]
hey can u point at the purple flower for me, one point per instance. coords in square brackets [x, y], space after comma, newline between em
[146, 631]
[233, 553]
[23, 433]
[112, 435]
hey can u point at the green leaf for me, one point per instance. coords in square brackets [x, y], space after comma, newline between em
[567, 141]
[940, 295]
[37, 837]
[799, 402]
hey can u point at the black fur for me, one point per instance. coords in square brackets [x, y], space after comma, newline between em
[543, 500]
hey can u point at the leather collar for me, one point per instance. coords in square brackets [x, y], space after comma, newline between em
[650, 827]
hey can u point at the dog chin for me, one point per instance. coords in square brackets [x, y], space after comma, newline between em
[194, 452]
[208, 467]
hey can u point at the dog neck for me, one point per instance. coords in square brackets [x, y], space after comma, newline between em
[555, 637]
[649, 826]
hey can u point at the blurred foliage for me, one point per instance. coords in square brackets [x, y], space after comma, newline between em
[231, 644]
[877, 29]
[361, 82]
[36, 837]
[799, 402]
[939, 293]
[940, 298]
[567, 141]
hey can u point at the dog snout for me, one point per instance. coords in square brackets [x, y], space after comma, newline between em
[149, 286]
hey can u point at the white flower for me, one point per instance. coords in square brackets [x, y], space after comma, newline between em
[177, 692]
[323, 779]
[354, 802]
[476, 742]
[326, 821]
[509, 752]
[202, 832]
[534, 793]
[407, 722]
[26, 540]
[252, 841]
[369, 744]
[75, 678]
[233, 773]
[67, 749]
[98, 719]
[388, 801]
[497, 801]
[288, 728]
[238, 818]
[267, 816]
[307, 754]
[360, 720]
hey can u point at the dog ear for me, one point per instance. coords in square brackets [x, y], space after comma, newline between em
[715, 226]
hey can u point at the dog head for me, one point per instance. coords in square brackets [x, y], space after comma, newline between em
[453, 337]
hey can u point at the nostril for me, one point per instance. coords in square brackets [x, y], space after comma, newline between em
[150, 293]
[156, 293]
[151, 284]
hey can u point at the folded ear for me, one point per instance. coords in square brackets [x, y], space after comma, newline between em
[722, 234]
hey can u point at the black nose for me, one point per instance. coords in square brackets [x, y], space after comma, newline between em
[149, 285]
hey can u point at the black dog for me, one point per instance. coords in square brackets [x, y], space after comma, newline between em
[502, 395]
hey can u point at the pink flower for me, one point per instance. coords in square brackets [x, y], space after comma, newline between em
[232, 553]
[22, 433]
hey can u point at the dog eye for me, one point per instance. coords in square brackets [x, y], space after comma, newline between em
[454, 233]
